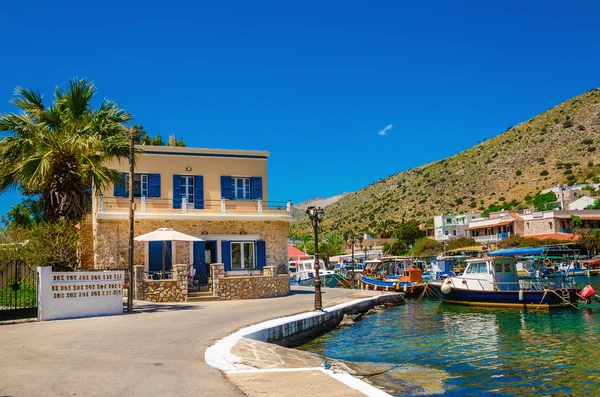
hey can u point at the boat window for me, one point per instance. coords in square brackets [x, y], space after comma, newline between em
[507, 267]
[479, 267]
[498, 267]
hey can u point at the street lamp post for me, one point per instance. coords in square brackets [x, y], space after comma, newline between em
[316, 215]
[352, 238]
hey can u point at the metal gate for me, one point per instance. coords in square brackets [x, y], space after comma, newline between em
[18, 291]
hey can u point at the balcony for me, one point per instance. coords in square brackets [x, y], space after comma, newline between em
[492, 237]
[118, 207]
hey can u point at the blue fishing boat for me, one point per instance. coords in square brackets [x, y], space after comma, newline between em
[493, 281]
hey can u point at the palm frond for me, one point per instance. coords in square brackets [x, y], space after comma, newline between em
[29, 100]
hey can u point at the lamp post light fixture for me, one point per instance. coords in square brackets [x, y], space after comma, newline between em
[349, 236]
[316, 215]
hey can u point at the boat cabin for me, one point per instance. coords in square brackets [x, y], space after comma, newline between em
[489, 274]
[411, 275]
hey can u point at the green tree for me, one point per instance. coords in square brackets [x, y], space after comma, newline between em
[396, 248]
[408, 231]
[427, 247]
[61, 151]
[26, 214]
[544, 202]
[44, 244]
[143, 138]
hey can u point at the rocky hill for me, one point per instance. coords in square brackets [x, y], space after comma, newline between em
[561, 145]
[321, 201]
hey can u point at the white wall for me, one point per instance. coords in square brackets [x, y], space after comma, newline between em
[581, 203]
[79, 294]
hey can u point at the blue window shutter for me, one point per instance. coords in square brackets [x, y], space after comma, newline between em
[256, 187]
[177, 191]
[226, 187]
[154, 185]
[226, 254]
[199, 187]
[120, 188]
[261, 254]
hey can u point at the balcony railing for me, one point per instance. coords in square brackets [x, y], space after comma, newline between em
[146, 205]
[491, 237]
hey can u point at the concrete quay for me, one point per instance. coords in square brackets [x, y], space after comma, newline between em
[156, 351]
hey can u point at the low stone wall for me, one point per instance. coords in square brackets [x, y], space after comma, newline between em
[267, 285]
[174, 290]
[163, 291]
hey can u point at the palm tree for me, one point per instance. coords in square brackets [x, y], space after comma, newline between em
[60, 152]
[385, 228]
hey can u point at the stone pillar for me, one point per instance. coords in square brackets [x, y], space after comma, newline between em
[138, 279]
[180, 274]
[270, 271]
[217, 272]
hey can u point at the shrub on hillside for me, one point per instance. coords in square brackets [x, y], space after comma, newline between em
[544, 173]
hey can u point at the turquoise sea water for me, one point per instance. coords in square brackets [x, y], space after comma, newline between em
[485, 352]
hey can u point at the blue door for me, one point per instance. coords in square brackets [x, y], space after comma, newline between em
[205, 253]
[155, 255]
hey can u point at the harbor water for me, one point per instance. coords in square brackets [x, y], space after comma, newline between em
[481, 351]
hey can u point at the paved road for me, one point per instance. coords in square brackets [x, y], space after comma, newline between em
[158, 351]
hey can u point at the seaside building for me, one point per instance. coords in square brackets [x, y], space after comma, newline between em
[448, 226]
[498, 226]
[217, 195]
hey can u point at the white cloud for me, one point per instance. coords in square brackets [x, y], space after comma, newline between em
[384, 131]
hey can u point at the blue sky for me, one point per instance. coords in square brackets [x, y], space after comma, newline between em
[313, 82]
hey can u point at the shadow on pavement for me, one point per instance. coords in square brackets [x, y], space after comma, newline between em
[149, 307]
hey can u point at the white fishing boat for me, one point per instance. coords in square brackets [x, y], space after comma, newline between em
[304, 271]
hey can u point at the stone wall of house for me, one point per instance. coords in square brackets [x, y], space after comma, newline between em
[112, 238]
[267, 285]
[540, 226]
[174, 290]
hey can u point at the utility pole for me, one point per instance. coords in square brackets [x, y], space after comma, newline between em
[130, 282]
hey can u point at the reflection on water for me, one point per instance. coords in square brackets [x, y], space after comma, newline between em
[491, 352]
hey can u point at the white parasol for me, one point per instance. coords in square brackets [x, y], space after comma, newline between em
[165, 234]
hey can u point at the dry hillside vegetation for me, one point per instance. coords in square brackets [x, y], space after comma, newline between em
[561, 145]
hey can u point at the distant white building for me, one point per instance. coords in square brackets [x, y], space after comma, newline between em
[582, 203]
[449, 226]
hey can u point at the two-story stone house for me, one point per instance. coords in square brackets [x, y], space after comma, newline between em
[217, 195]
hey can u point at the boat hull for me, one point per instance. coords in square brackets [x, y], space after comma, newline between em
[410, 289]
[543, 300]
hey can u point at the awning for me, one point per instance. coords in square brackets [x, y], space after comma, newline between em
[520, 251]
[487, 225]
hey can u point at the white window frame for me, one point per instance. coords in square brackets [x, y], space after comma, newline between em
[144, 180]
[242, 264]
[246, 188]
[193, 184]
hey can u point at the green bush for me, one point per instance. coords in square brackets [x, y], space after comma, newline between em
[581, 127]
[544, 173]
[26, 296]
[591, 148]
[587, 141]
[518, 173]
